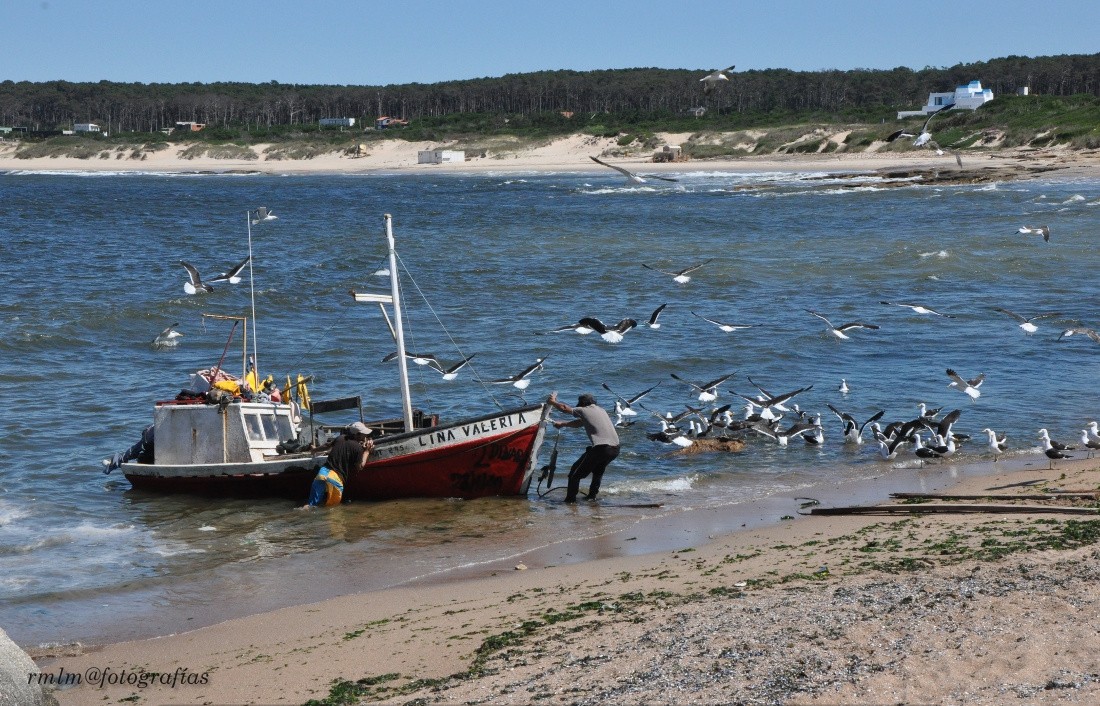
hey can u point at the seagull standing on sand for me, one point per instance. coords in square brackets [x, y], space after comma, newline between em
[970, 387]
[1051, 448]
[839, 331]
[1091, 444]
[1038, 230]
[711, 80]
[632, 176]
[167, 337]
[680, 276]
[195, 283]
[233, 275]
[1025, 321]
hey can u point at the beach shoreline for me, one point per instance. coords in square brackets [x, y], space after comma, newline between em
[432, 630]
[569, 154]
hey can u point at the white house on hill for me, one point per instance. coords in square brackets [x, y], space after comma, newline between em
[968, 97]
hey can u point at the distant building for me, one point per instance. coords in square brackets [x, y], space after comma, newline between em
[969, 97]
[189, 126]
[440, 156]
[87, 127]
[337, 122]
[385, 122]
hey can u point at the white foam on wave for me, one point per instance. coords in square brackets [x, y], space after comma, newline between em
[1076, 198]
[935, 253]
[618, 190]
[661, 485]
[10, 513]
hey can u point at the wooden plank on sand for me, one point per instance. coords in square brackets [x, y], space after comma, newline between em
[1001, 496]
[947, 509]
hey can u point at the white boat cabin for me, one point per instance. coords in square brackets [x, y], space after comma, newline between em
[241, 432]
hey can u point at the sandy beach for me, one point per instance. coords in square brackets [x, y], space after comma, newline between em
[974, 608]
[570, 154]
[989, 606]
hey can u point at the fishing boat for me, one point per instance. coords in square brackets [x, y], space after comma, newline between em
[218, 444]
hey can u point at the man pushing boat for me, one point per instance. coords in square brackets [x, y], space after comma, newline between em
[602, 435]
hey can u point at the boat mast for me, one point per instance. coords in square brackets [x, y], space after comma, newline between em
[399, 334]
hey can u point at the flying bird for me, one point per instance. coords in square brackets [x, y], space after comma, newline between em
[167, 337]
[451, 372]
[611, 334]
[839, 331]
[653, 323]
[923, 137]
[1038, 230]
[418, 358]
[195, 283]
[623, 404]
[919, 309]
[680, 276]
[521, 380]
[261, 215]
[233, 275]
[1091, 333]
[707, 391]
[710, 81]
[634, 177]
[723, 325]
[970, 387]
[1025, 321]
[853, 430]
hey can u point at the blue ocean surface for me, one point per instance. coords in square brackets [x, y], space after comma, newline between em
[491, 263]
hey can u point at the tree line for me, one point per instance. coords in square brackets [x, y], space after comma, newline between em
[643, 92]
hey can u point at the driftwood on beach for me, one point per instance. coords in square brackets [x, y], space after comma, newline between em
[923, 509]
[1053, 495]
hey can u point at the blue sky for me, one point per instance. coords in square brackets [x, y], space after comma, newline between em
[403, 41]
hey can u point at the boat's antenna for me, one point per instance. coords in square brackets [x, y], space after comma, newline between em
[399, 334]
[252, 287]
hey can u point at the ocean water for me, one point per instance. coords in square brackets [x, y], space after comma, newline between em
[492, 263]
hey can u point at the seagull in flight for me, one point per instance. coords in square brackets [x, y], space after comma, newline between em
[611, 334]
[521, 380]
[167, 337]
[418, 358]
[710, 81]
[1091, 333]
[653, 323]
[839, 331]
[233, 275]
[632, 176]
[728, 328]
[262, 215]
[452, 372]
[623, 404]
[708, 392]
[923, 137]
[1025, 321]
[1038, 230]
[853, 430]
[919, 309]
[680, 276]
[970, 387]
[195, 285]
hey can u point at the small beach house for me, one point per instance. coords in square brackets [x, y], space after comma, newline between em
[969, 97]
[337, 122]
[440, 156]
[87, 127]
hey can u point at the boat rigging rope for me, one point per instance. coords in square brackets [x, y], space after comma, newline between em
[461, 353]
